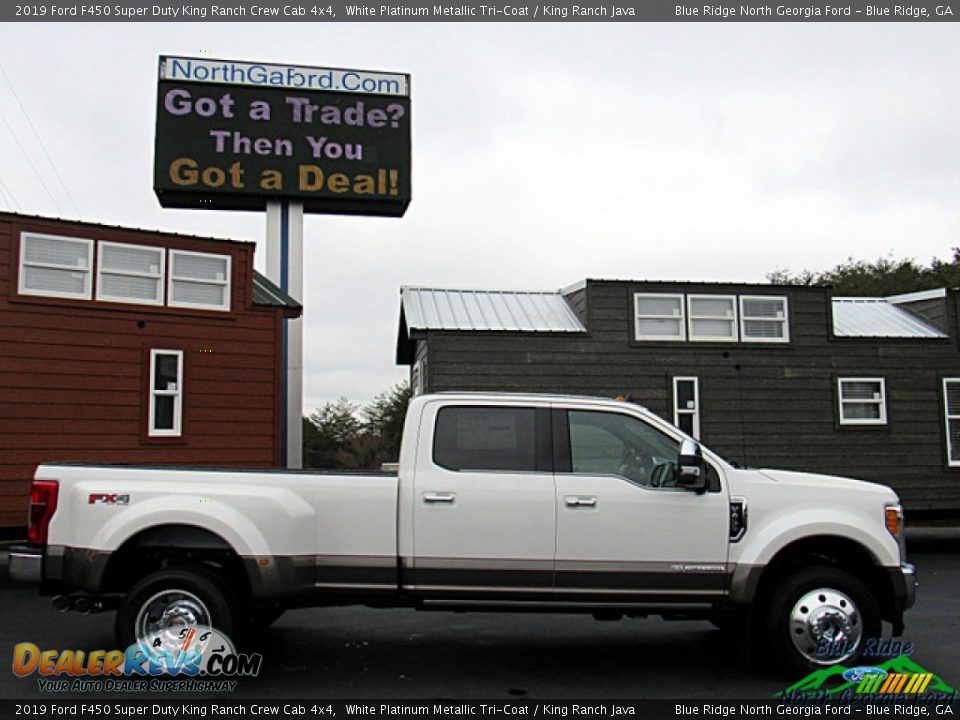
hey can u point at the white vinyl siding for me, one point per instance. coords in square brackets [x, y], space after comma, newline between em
[951, 411]
[55, 266]
[199, 280]
[686, 405]
[166, 393]
[712, 318]
[863, 401]
[659, 317]
[763, 318]
[130, 273]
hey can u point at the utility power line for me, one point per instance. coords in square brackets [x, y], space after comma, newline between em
[9, 198]
[43, 147]
[30, 163]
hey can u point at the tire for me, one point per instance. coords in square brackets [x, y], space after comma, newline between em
[186, 595]
[823, 607]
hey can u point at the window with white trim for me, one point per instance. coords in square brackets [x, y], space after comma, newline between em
[686, 405]
[416, 379]
[659, 317]
[712, 318]
[166, 393]
[763, 318]
[55, 266]
[863, 401]
[130, 273]
[199, 280]
[951, 412]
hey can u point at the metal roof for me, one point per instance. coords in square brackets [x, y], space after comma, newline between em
[129, 228]
[266, 293]
[934, 294]
[504, 310]
[876, 317]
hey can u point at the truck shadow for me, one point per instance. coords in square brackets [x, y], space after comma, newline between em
[933, 541]
[401, 653]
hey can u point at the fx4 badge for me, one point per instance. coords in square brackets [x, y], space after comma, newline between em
[108, 499]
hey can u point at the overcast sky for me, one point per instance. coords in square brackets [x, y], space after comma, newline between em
[542, 154]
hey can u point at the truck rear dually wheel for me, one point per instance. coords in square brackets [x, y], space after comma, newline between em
[173, 598]
[820, 616]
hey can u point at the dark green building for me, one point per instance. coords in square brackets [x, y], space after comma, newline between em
[766, 375]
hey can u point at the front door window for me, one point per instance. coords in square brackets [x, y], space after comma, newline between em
[604, 443]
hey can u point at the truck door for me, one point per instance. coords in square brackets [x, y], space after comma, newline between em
[625, 531]
[484, 522]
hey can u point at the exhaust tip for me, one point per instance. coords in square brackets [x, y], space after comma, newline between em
[83, 605]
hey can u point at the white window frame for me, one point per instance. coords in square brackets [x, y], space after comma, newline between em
[734, 323]
[882, 420]
[152, 429]
[682, 318]
[695, 412]
[88, 270]
[416, 379]
[947, 417]
[227, 282]
[159, 277]
[785, 320]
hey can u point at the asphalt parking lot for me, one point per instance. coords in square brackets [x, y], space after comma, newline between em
[354, 653]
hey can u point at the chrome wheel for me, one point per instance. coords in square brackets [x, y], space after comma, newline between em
[826, 617]
[170, 610]
[165, 604]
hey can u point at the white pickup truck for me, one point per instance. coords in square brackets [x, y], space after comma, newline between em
[501, 502]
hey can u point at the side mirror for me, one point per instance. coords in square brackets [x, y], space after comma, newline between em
[691, 473]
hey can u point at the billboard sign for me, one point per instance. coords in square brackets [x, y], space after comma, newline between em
[235, 135]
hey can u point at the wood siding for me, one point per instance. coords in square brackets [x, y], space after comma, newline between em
[421, 358]
[74, 374]
[932, 311]
[761, 404]
[577, 300]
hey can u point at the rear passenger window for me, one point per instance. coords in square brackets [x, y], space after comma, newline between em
[485, 438]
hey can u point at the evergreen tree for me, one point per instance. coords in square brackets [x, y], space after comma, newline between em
[341, 435]
[885, 276]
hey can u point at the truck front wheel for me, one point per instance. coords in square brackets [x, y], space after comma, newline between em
[820, 616]
[175, 598]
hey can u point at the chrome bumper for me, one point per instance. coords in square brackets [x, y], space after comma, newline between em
[910, 581]
[26, 564]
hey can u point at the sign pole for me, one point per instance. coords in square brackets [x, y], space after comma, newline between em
[284, 236]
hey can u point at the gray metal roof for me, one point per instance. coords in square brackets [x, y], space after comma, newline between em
[266, 293]
[877, 317]
[504, 310]
[934, 294]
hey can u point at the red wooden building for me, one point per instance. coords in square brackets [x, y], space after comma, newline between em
[120, 345]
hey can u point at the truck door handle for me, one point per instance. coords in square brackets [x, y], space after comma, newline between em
[578, 501]
[446, 497]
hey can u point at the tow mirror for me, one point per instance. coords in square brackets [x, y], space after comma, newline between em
[691, 473]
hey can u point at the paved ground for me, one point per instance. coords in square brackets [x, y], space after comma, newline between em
[355, 653]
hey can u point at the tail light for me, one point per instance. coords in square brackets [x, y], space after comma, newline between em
[43, 503]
